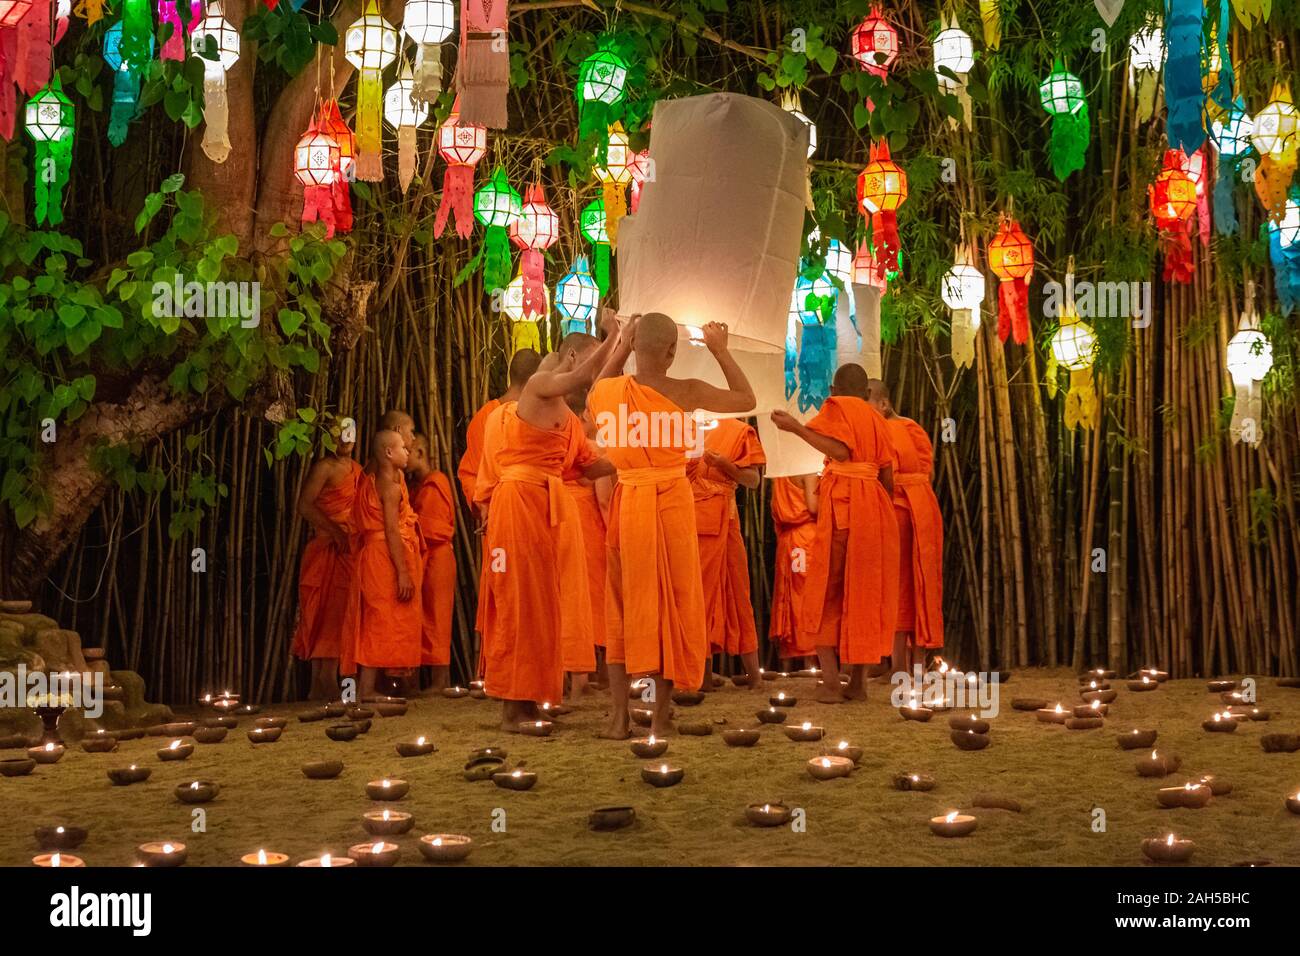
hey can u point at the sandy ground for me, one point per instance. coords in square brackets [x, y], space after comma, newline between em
[1059, 776]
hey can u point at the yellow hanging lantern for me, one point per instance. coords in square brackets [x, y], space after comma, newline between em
[1276, 135]
[614, 178]
[370, 44]
[1074, 348]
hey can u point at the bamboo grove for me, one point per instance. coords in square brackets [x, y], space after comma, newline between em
[1199, 567]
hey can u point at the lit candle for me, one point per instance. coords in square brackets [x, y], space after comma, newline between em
[953, 824]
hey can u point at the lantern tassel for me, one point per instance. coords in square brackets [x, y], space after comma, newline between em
[1146, 83]
[533, 266]
[884, 236]
[965, 323]
[1225, 208]
[8, 93]
[1069, 144]
[525, 335]
[791, 354]
[216, 115]
[1272, 179]
[1177, 248]
[370, 104]
[173, 47]
[33, 59]
[816, 364]
[405, 156]
[602, 268]
[53, 166]
[1013, 310]
[593, 125]
[496, 259]
[1247, 412]
[992, 23]
[1081, 406]
[615, 209]
[428, 72]
[457, 199]
[483, 69]
[126, 92]
[1184, 95]
[318, 206]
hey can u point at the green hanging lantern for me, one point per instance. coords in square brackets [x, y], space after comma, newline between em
[592, 222]
[1062, 97]
[48, 118]
[497, 206]
[602, 85]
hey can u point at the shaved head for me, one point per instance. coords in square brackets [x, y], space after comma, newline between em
[522, 366]
[420, 445]
[878, 389]
[386, 440]
[401, 423]
[851, 380]
[655, 341]
[578, 343]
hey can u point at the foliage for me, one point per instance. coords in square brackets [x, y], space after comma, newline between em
[287, 37]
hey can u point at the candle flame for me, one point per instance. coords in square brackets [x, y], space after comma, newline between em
[915, 778]
[951, 818]
[174, 744]
[517, 773]
[1153, 755]
[1170, 841]
[437, 841]
[663, 768]
[807, 725]
[1191, 786]
[1059, 709]
[194, 785]
[825, 762]
[49, 746]
[385, 783]
[385, 815]
[1145, 679]
[377, 847]
[419, 741]
[167, 848]
[844, 745]
[326, 860]
[651, 740]
[766, 808]
[261, 858]
[58, 829]
[1096, 705]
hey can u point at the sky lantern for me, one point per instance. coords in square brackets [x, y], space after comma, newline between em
[963, 289]
[496, 206]
[1173, 201]
[874, 44]
[882, 189]
[370, 44]
[127, 52]
[1248, 358]
[461, 145]
[1146, 57]
[577, 298]
[428, 23]
[405, 114]
[174, 46]
[1011, 257]
[954, 51]
[48, 118]
[534, 231]
[215, 41]
[1061, 95]
[614, 177]
[316, 167]
[331, 123]
[592, 223]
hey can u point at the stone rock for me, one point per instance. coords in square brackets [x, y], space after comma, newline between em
[15, 607]
[992, 801]
[61, 650]
[30, 623]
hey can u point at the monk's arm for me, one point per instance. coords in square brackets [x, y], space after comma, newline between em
[312, 514]
[748, 476]
[390, 497]
[887, 478]
[604, 494]
[828, 446]
[600, 468]
[559, 384]
[810, 493]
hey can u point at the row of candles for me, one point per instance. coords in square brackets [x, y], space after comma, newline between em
[435, 847]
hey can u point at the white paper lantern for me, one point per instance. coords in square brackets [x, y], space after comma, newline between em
[214, 34]
[1276, 126]
[1250, 354]
[1231, 133]
[1146, 49]
[370, 43]
[954, 49]
[1074, 344]
[512, 301]
[428, 23]
[963, 288]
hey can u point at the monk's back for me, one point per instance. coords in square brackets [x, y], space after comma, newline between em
[639, 427]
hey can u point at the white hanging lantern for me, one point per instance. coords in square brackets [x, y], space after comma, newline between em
[216, 42]
[955, 51]
[1276, 125]
[1146, 57]
[1288, 227]
[370, 44]
[577, 297]
[1231, 133]
[790, 103]
[428, 23]
[404, 113]
[962, 290]
[1249, 358]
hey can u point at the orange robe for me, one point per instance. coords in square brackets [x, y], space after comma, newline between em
[851, 595]
[467, 472]
[724, 565]
[382, 631]
[796, 537]
[592, 520]
[325, 577]
[436, 511]
[531, 547]
[654, 600]
[920, 535]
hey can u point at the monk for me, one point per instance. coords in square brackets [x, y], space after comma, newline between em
[435, 508]
[385, 619]
[402, 423]
[918, 627]
[794, 515]
[591, 499]
[533, 547]
[522, 365]
[325, 574]
[732, 457]
[851, 592]
[654, 595]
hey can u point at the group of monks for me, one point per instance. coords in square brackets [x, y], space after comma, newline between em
[611, 541]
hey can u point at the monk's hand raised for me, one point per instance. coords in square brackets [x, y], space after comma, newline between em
[609, 322]
[784, 420]
[713, 458]
[404, 587]
[715, 337]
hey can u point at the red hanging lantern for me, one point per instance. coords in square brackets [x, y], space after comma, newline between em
[1011, 257]
[1173, 201]
[882, 189]
[536, 229]
[874, 44]
[462, 145]
[1196, 167]
[867, 271]
[640, 169]
[331, 123]
[316, 166]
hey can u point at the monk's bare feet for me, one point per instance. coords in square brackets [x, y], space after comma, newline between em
[661, 728]
[619, 727]
[855, 691]
[829, 695]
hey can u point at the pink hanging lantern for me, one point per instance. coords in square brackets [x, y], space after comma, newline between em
[874, 44]
[535, 230]
[316, 166]
[462, 145]
[175, 46]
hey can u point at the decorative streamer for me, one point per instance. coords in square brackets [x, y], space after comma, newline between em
[370, 44]
[496, 207]
[48, 118]
[405, 113]
[1250, 12]
[577, 298]
[992, 21]
[592, 223]
[127, 71]
[1062, 97]
[316, 166]
[92, 11]
[1173, 201]
[601, 91]
[62, 12]
[1284, 253]
[462, 145]
[483, 69]
[169, 12]
[954, 51]
[1197, 167]
[640, 169]
[614, 175]
[962, 290]
[1249, 358]
[882, 189]
[534, 232]
[1184, 94]
[428, 23]
[216, 41]
[330, 121]
[1011, 257]
[1146, 54]
[1230, 130]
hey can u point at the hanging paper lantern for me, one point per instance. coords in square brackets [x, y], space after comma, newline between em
[867, 270]
[316, 167]
[330, 122]
[1184, 94]
[1146, 56]
[1284, 253]
[601, 89]
[955, 51]
[614, 177]
[1173, 201]
[810, 339]
[525, 331]
[882, 189]
[592, 223]
[962, 290]
[874, 44]
[405, 113]
[174, 46]
[790, 103]
[1011, 257]
[370, 44]
[13, 11]
[428, 23]
[496, 206]
[483, 64]
[1062, 97]
[1074, 347]
[839, 262]
[535, 230]
[216, 42]
[462, 145]
[127, 68]
[640, 167]
[1276, 125]
[48, 119]
[1231, 133]
[1197, 171]
[577, 298]
[1249, 358]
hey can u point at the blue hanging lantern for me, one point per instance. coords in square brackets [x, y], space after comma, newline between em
[810, 339]
[127, 68]
[577, 298]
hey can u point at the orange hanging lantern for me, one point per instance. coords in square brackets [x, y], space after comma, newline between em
[331, 123]
[1011, 257]
[882, 189]
[535, 230]
[316, 166]
[874, 44]
[1173, 202]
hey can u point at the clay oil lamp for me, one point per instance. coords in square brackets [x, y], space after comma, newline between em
[551, 711]
[341, 732]
[1158, 676]
[16, 766]
[846, 749]
[322, 769]
[783, 700]
[477, 690]
[178, 728]
[695, 728]
[482, 767]
[771, 675]
[176, 750]
[1168, 849]
[940, 706]
[265, 858]
[771, 716]
[1097, 673]
[57, 860]
[641, 716]
[387, 789]
[389, 706]
[913, 781]
[128, 733]
[1193, 796]
[419, 747]
[455, 692]
[805, 732]
[969, 740]
[1249, 713]
[272, 723]
[445, 847]
[1143, 683]
[1094, 709]
[197, 791]
[209, 735]
[740, 737]
[1084, 723]
[1102, 692]
[335, 708]
[227, 723]
[162, 853]
[1218, 786]
[767, 814]
[827, 767]
[328, 861]
[49, 752]
[969, 722]
[1028, 703]
[387, 822]
[914, 711]
[515, 779]
[1220, 686]
[1293, 802]
[1237, 698]
[362, 725]
[651, 746]
[953, 824]
[1220, 724]
[378, 853]
[313, 715]
[124, 776]
[662, 775]
[536, 728]
[1053, 715]
[498, 753]
[1137, 739]
[264, 735]
[605, 819]
[100, 742]
[60, 837]
[248, 710]
[1157, 764]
